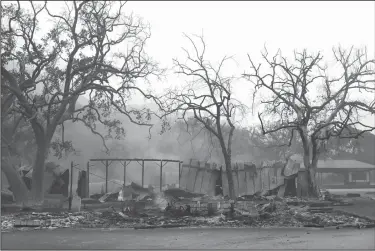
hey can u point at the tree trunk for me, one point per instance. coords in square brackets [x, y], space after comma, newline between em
[38, 175]
[228, 169]
[313, 189]
[18, 187]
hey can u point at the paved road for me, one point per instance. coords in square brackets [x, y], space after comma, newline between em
[191, 239]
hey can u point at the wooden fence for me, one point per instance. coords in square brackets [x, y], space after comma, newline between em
[247, 177]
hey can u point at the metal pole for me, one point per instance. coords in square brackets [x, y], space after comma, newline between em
[143, 173]
[106, 176]
[88, 179]
[161, 174]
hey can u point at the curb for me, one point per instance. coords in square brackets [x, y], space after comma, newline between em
[161, 226]
[340, 226]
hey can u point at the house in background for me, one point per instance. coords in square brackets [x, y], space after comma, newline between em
[342, 174]
[354, 173]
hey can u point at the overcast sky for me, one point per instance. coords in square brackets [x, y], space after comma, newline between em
[238, 28]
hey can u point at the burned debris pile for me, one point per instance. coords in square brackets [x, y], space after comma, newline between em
[178, 208]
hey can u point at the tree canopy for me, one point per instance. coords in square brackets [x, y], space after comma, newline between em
[91, 49]
[315, 100]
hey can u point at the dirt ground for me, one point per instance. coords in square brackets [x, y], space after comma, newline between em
[198, 238]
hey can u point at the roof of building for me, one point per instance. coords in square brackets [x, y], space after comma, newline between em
[350, 163]
[342, 164]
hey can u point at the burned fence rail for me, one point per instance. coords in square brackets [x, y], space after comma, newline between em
[125, 162]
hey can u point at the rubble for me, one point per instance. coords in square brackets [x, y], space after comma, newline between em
[267, 208]
[6, 196]
[295, 201]
[196, 212]
[320, 209]
[335, 200]
[39, 220]
[133, 191]
[352, 195]
[178, 193]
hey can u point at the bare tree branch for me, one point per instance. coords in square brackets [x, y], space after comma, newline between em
[302, 97]
[207, 98]
[91, 47]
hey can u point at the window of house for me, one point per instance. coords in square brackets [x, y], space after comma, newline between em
[359, 177]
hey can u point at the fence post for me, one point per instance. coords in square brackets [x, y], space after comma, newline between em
[161, 175]
[238, 180]
[106, 176]
[88, 179]
[261, 178]
[277, 174]
[179, 174]
[244, 171]
[187, 178]
[206, 166]
[196, 176]
[143, 173]
[71, 185]
[124, 172]
[211, 173]
[269, 179]
[254, 182]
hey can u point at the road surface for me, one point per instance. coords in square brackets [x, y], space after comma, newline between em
[198, 238]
